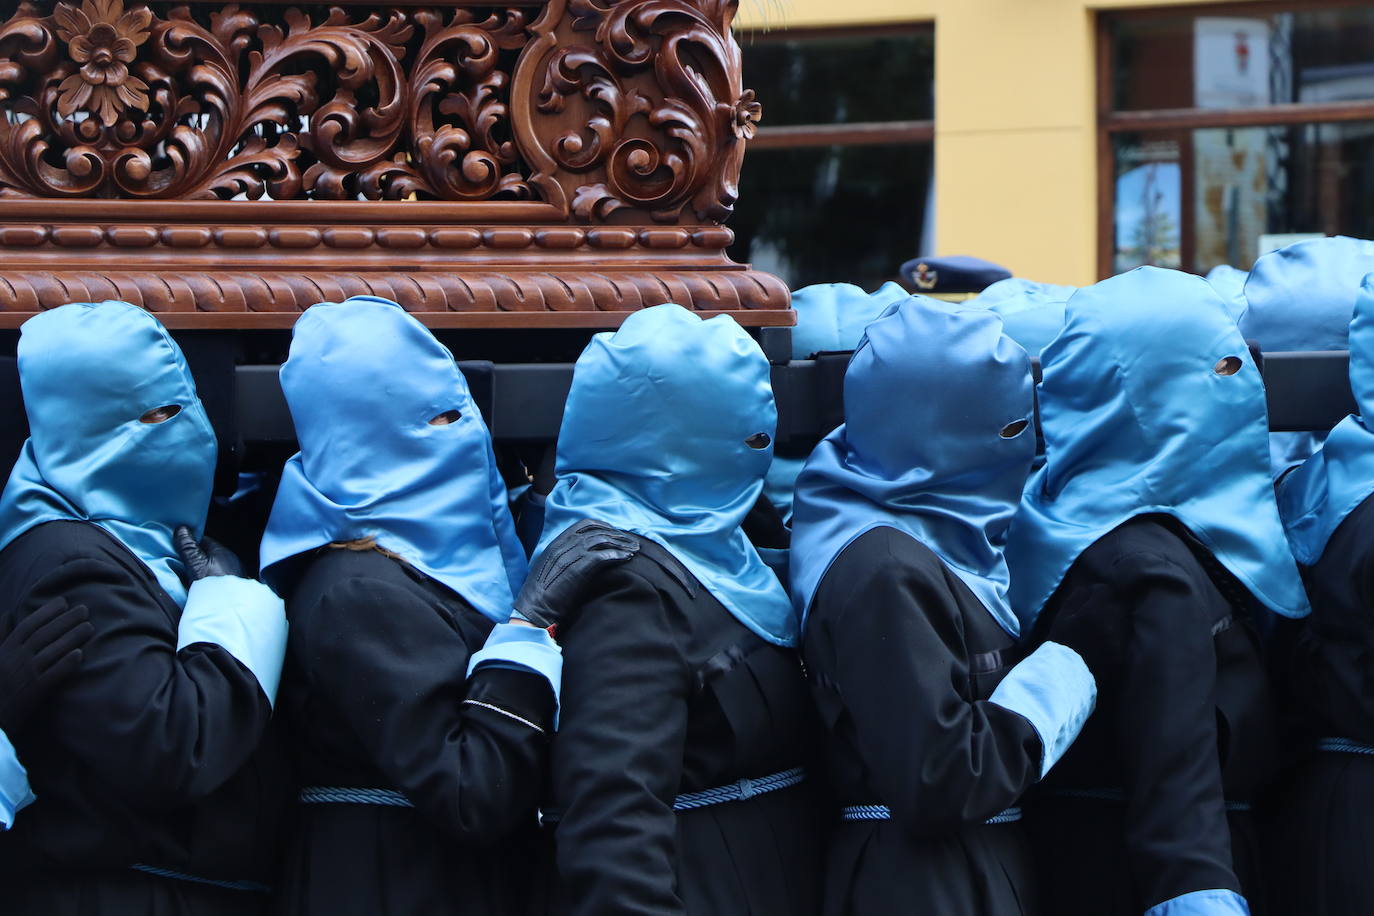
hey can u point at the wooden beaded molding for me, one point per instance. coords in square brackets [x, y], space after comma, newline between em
[563, 157]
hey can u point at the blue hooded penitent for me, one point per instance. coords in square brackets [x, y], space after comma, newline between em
[1032, 313]
[830, 317]
[949, 472]
[667, 433]
[1301, 297]
[89, 372]
[1150, 403]
[363, 381]
[1316, 497]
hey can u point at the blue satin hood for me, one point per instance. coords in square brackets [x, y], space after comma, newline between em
[1032, 313]
[363, 380]
[89, 371]
[1301, 297]
[943, 473]
[832, 316]
[1316, 497]
[653, 441]
[1136, 420]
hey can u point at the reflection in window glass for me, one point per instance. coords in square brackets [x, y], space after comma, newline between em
[830, 79]
[1196, 199]
[1149, 204]
[1243, 60]
[833, 213]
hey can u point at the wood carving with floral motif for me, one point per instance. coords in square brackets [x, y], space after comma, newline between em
[472, 131]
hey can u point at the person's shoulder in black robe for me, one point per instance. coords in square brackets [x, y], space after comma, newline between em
[666, 693]
[1321, 840]
[147, 756]
[378, 695]
[903, 658]
[1334, 665]
[1184, 724]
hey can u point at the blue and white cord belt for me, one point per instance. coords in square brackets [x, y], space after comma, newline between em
[740, 790]
[1344, 746]
[884, 813]
[341, 795]
[158, 872]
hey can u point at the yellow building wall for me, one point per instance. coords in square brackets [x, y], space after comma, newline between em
[1015, 126]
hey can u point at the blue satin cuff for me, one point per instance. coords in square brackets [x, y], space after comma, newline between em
[513, 645]
[14, 784]
[1055, 691]
[242, 616]
[1202, 903]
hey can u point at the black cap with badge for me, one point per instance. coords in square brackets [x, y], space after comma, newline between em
[955, 277]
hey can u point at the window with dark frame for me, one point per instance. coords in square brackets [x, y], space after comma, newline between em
[1226, 130]
[836, 185]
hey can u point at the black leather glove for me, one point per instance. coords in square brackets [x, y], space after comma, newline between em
[41, 651]
[208, 558]
[1097, 631]
[553, 592]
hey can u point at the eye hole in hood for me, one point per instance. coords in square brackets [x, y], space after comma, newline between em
[1228, 365]
[446, 418]
[759, 441]
[1014, 429]
[160, 414]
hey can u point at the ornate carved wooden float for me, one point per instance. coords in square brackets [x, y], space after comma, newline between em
[537, 163]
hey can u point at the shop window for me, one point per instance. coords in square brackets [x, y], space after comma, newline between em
[1226, 133]
[837, 183]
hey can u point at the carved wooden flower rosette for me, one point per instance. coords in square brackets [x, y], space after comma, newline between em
[411, 120]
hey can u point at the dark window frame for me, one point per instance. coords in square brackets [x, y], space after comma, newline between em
[1171, 123]
[849, 133]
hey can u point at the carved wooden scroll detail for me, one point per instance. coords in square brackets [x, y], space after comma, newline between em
[117, 101]
[518, 156]
[663, 117]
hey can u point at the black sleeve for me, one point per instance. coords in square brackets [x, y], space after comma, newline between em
[469, 754]
[164, 727]
[1177, 838]
[1341, 628]
[617, 758]
[937, 758]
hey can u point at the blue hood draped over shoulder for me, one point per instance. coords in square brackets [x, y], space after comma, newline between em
[1316, 497]
[1150, 403]
[667, 433]
[363, 380]
[948, 470]
[90, 371]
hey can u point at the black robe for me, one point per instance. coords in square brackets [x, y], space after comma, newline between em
[377, 696]
[1151, 802]
[665, 693]
[1322, 845]
[903, 657]
[147, 757]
